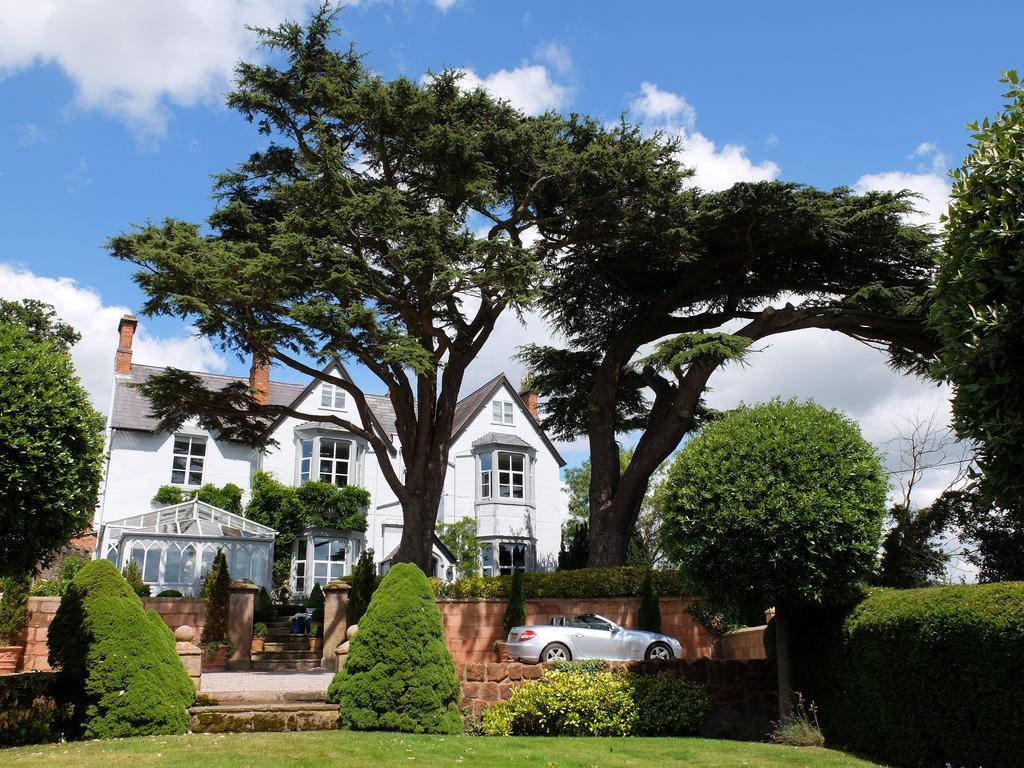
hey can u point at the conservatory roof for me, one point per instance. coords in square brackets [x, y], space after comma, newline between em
[195, 519]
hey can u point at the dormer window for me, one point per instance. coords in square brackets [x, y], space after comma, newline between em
[503, 411]
[332, 397]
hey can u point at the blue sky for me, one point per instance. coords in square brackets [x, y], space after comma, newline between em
[111, 114]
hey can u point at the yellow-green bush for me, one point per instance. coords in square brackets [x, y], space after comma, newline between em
[582, 583]
[119, 667]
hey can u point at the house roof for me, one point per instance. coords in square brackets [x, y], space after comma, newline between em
[500, 438]
[131, 409]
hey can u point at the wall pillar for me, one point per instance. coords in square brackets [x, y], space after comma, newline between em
[191, 655]
[241, 610]
[335, 620]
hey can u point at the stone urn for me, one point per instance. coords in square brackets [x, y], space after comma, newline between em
[10, 658]
[215, 658]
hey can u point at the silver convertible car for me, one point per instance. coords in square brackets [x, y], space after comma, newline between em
[588, 637]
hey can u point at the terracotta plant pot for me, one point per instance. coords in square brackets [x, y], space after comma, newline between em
[215, 660]
[316, 643]
[257, 644]
[10, 657]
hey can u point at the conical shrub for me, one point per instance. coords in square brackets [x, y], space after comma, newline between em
[399, 675]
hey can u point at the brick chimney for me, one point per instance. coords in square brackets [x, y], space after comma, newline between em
[259, 378]
[123, 356]
[529, 397]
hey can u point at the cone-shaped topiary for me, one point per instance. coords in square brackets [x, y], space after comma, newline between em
[118, 663]
[364, 582]
[649, 617]
[515, 614]
[315, 602]
[217, 601]
[399, 675]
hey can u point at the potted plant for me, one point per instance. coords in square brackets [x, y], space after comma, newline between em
[216, 602]
[315, 607]
[316, 638]
[13, 618]
[259, 636]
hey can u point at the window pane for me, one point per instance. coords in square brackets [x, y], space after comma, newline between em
[195, 478]
[325, 395]
[178, 477]
[497, 411]
[485, 461]
[179, 462]
[320, 571]
[172, 568]
[508, 413]
[504, 491]
[321, 549]
[198, 448]
[181, 445]
[337, 570]
[139, 556]
[151, 573]
[188, 564]
[300, 584]
[307, 448]
[517, 462]
[339, 397]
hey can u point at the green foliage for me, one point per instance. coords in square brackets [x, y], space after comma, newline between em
[29, 713]
[13, 608]
[323, 505]
[41, 322]
[364, 582]
[315, 602]
[169, 593]
[668, 705]
[780, 503]
[228, 497]
[460, 537]
[894, 684]
[118, 662]
[217, 601]
[649, 616]
[399, 675]
[133, 576]
[912, 554]
[979, 316]
[800, 728]
[259, 629]
[52, 448]
[515, 613]
[265, 611]
[583, 583]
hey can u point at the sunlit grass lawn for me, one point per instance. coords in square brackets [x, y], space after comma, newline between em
[379, 750]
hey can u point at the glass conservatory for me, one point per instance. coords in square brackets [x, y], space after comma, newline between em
[174, 546]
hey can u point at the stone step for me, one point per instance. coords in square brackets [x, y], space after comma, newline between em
[252, 718]
[253, 698]
[304, 653]
[286, 645]
[280, 666]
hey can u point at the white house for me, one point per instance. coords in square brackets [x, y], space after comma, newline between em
[503, 471]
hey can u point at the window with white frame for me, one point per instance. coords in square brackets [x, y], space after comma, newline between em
[502, 558]
[502, 411]
[485, 475]
[332, 396]
[511, 475]
[305, 460]
[187, 463]
[329, 556]
[334, 461]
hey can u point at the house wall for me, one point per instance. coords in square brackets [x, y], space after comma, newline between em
[471, 627]
[140, 463]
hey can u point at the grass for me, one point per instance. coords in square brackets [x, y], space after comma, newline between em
[379, 750]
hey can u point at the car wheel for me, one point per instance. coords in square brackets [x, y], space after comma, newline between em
[658, 652]
[555, 652]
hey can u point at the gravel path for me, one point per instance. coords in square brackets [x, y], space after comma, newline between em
[215, 682]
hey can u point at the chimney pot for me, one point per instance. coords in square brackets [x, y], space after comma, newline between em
[529, 397]
[126, 335]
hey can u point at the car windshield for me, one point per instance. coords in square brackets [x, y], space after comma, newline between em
[590, 621]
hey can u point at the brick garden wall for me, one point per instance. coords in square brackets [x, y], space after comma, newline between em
[744, 644]
[743, 694]
[471, 627]
[175, 611]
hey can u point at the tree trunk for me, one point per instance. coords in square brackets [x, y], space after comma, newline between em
[783, 663]
[419, 521]
[611, 525]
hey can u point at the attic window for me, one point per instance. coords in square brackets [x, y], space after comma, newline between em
[332, 397]
[187, 463]
[502, 411]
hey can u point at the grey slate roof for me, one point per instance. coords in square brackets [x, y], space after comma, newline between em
[131, 409]
[500, 438]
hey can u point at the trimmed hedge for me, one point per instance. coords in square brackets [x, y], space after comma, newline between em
[118, 664]
[923, 677]
[581, 584]
[399, 675]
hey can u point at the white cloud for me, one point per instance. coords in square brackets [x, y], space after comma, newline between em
[933, 188]
[444, 5]
[93, 356]
[133, 60]
[556, 55]
[528, 87]
[714, 168]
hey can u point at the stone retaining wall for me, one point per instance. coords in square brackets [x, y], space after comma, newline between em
[471, 627]
[744, 644]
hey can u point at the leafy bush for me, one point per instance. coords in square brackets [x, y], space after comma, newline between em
[582, 583]
[57, 587]
[894, 685]
[118, 663]
[667, 705]
[13, 608]
[315, 602]
[134, 578]
[228, 497]
[169, 593]
[399, 675]
[649, 618]
[515, 613]
[259, 629]
[29, 714]
[265, 611]
[364, 582]
[217, 601]
[569, 702]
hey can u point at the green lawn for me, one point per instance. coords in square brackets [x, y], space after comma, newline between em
[379, 750]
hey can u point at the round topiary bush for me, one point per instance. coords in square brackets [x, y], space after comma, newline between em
[118, 663]
[399, 675]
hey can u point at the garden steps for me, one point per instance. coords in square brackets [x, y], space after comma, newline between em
[253, 717]
[279, 665]
[287, 655]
